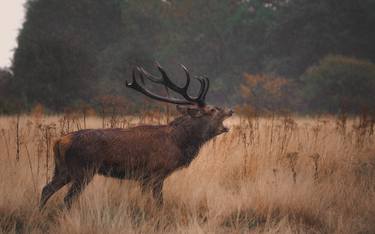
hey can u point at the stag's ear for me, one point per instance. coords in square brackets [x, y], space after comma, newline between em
[194, 112]
[188, 110]
[181, 109]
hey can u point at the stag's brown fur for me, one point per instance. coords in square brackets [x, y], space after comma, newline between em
[147, 154]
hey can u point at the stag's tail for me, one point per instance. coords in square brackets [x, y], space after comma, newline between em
[57, 157]
[59, 150]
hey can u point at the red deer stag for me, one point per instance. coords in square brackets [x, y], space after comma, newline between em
[145, 153]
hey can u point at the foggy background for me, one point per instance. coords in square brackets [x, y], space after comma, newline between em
[294, 55]
[11, 18]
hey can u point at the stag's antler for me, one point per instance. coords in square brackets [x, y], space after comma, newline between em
[164, 80]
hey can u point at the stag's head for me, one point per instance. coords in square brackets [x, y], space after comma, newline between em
[208, 119]
[195, 112]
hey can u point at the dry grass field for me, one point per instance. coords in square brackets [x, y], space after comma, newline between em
[267, 175]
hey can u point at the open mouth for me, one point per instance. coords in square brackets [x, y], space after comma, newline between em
[224, 128]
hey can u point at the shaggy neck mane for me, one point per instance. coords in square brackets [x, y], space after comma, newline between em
[189, 136]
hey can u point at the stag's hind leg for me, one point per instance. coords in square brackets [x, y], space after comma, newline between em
[75, 189]
[58, 181]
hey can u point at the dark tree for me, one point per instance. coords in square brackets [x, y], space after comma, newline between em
[305, 31]
[58, 47]
[340, 83]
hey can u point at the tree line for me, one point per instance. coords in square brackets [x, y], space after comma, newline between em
[301, 55]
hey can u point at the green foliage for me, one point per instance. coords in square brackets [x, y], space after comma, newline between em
[78, 50]
[305, 31]
[340, 83]
[58, 46]
[10, 100]
[5, 79]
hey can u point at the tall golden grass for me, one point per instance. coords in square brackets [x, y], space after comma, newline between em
[267, 175]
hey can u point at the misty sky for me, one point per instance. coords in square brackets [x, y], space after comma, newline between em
[11, 18]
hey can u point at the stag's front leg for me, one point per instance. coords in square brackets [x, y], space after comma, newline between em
[156, 187]
[157, 192]
[145, 184]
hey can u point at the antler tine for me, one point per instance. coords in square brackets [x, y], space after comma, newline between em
[182, 91]
[134, 85]
[140, 75]
[207, 87]
[168, 82]
[201, 89]
[150, 77]
[187, 77]
[129, 84]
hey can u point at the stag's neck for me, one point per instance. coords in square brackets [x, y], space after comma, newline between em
[188, 136]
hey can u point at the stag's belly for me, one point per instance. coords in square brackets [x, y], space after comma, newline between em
[122, 172]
